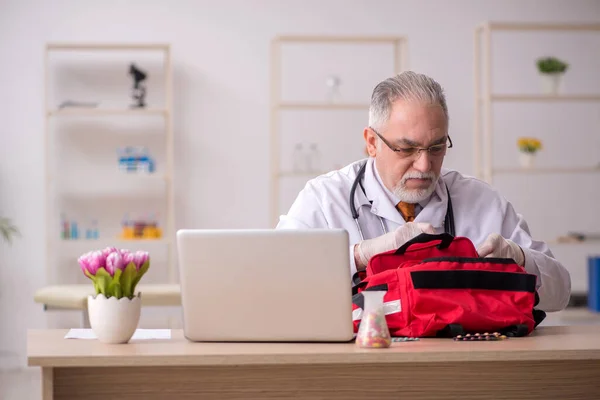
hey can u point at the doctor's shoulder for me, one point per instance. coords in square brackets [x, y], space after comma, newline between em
[472, 191]
[337, 181]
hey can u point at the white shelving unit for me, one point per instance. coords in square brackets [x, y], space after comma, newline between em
[400, 63]
[486, 98]
[94, 184]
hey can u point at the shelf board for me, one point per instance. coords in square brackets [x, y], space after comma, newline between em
[293, 174]
[107, 46]
[97, 244]
[541, 26]
[105, 112]
[544, 97]
[568, 241]
[115, 177]
[334, 39]
[323, 106]
[110, 185]
[546, 170]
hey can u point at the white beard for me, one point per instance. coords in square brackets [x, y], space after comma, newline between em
[415, 195]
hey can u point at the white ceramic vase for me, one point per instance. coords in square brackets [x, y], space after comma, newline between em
[551, 83]
[114, 320]
[527, 159]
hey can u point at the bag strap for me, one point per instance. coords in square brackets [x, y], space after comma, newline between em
[445, 238]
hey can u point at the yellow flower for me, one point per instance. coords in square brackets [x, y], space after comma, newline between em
[529, 145]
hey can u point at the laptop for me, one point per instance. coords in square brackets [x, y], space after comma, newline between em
[265, 285]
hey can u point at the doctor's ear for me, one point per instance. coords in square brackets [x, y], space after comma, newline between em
[371, 142]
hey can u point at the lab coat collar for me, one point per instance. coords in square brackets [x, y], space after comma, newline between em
[381, 203]
[434, 212]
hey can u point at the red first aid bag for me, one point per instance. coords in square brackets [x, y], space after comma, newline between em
[438, 286]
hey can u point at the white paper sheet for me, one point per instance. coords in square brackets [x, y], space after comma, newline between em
[143, 334]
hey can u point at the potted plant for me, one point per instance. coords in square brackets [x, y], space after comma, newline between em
[551, 70]
[114, 310]
[528, 147]
[7, 229]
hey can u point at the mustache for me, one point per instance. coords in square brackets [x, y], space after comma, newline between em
[418, 175]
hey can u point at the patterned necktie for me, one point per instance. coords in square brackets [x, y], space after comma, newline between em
[407, 210]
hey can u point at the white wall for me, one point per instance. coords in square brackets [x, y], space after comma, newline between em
[221, 64]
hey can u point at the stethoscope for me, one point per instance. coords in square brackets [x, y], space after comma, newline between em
[448, 221]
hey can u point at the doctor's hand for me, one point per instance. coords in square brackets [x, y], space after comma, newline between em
[496, 246]
[366, 249]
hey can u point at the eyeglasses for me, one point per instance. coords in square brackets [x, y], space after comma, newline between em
[435, 151]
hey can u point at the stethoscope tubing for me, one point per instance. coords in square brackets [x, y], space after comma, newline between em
[449, 220]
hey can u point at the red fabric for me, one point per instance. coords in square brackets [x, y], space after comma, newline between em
[425, 311]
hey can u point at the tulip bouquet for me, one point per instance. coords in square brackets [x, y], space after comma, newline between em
[115, 272]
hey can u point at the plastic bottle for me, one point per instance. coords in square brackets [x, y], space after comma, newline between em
[130, 159]
[373, 331]
[143, 160]
[95, 233]
[92, 232]
[298, 158]
[122, 159]
[74, 230]
[313, 158]
[64, 224]
[333, 82]
[151, 165]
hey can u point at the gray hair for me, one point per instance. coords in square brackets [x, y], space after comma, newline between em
[405, 86]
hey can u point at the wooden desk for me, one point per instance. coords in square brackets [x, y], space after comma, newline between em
[553, 363]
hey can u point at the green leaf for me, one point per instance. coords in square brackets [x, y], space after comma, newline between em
[8, 230]
[103, 280]
[114, 288]
[139, 275]
[127, 279]
[550, 65]
[87, 273]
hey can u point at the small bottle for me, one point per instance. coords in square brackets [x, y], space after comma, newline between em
[74, 230]
[333, 82]
[151, 165]
[95, 234]
[122, 159]
[130, 159]
[299, 158]
[373, 331]
[143, 160]
[64, 224]
[313, 158]
[91, 232]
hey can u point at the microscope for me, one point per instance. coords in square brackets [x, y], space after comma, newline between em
[139, 88]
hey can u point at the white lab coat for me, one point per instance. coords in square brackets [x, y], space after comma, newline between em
[478, 211]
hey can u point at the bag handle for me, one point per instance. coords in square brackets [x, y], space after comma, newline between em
[445, 238]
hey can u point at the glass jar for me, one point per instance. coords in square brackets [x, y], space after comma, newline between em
[373, 331]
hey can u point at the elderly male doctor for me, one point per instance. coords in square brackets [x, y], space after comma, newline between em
[404, 191]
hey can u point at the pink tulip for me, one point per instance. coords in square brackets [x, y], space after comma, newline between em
[84, 262]
[140, 258]
[108, 251]
[127, 257]
[114, 261]
[91, 262]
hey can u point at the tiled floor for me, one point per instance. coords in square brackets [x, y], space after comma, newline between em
[25, 384]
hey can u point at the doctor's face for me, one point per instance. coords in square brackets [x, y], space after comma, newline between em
[399, 148]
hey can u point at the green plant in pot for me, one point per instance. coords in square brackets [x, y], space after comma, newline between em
[551, 71]
[7, 229]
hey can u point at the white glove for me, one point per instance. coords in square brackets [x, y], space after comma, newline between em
[391, 241]
[496, 246]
